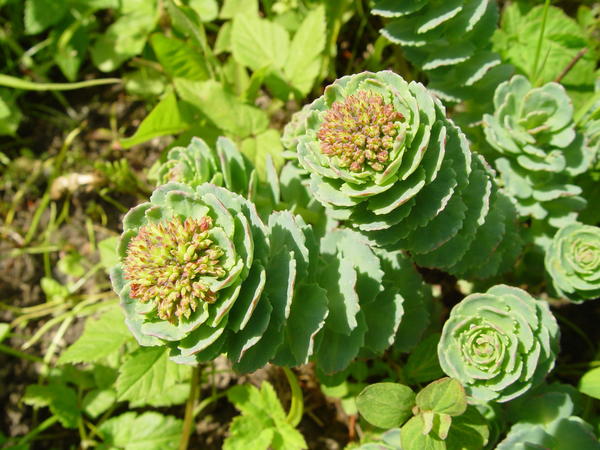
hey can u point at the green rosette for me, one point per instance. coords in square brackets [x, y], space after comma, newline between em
[539, 150]
[202, 274]
[499, 344]
[573, 262]
[381, 154]
[450, 41]
[197, 163]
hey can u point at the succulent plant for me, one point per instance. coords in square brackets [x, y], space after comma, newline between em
[376, 299]
[499, 344]
[382, 155]
[450, 42]
[202, 274]
[540, 150]
[573, 262]
[198, 163]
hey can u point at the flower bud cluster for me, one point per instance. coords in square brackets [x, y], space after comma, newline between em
[360, 130]
[166, 262]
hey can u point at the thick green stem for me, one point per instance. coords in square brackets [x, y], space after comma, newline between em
[188, 420]
[297, 404]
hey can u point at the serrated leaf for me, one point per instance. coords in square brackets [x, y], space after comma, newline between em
[590, 383]
[98, 401]
[179, 59]
[231, 8]
[40, 14]
[258, 43]
[100, 338]
[166, 118]
[222, 107]
[386, 405]
[148, 431]
[61, 400]
[267, 143]
[444, 396]
[147, 374]
[263, 420]
[126, 37]
[304, 61]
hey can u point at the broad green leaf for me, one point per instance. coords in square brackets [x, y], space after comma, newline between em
[517, 41]
[468, 431]
[148, 373]
[108, 252]
[412, 437]
[233, 7]
[100, 338]
[40, 14]
[61, 400]
[263, 423]
[179, 59]
[148, 431]
[126, 37]
[71, 49]
[147, 82]
[10, 116]
[257, 148]
[590, 383]
[222, 107]
[304, 61]
[258, 43]
[98, 401]
[423, 364]
[386, 405]
[444, 396]
[166, 118]
[207, 10]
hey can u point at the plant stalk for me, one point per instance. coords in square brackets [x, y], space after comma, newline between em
[188, 420]
[297, 404]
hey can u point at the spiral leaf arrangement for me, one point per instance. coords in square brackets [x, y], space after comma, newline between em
[499, 344]
[449, 41]
[573, 262]
[198, 163]
[201, 273]
[540, 151]
[382, 155]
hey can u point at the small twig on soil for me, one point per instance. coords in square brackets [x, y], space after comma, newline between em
[571, 64]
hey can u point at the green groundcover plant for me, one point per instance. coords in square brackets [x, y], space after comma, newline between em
[383, 157]
[319, 231]
[573, 262]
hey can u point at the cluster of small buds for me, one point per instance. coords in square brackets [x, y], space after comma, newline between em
[166, 261]
[360, 130]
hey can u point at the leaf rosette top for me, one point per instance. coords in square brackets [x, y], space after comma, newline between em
[573, 262]
[450, 41]
[201, 273]
[540, 149]
[499, 344]
[382, 155]
[198, 163]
